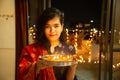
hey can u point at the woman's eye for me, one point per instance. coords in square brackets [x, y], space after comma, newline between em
[56, 26]
[47, 26]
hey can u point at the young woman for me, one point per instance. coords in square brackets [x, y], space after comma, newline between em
[50, 39]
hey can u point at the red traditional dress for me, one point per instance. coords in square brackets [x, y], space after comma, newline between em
[27, 65]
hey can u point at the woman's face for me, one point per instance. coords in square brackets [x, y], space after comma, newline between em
[53, 29]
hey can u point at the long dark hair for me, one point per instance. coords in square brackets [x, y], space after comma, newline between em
[48, 14]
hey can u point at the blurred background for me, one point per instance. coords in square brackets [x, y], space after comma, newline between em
[91, 26]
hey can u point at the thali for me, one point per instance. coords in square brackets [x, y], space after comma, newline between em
[58, 60]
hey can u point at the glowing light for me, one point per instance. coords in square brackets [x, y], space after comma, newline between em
[91, 21]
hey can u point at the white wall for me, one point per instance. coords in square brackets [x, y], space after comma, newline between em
[7, 40]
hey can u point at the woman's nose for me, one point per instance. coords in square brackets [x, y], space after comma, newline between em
[52, 29]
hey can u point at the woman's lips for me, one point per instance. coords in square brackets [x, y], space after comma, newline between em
[52, 35]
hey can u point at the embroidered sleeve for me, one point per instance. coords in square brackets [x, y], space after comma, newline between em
[24, 64]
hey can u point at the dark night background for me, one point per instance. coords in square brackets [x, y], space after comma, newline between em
[79, 10]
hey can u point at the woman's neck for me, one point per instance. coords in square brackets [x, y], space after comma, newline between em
[55, 43]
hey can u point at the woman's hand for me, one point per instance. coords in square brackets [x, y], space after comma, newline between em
[40, 65]
[71, 72]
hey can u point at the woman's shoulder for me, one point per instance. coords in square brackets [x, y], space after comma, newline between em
[67, 45]
[31, 46]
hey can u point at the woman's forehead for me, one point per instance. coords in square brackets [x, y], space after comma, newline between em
[53, 20]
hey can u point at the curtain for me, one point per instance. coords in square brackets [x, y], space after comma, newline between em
[21, 26]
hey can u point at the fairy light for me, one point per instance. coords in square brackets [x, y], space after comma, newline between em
[89, 59]
[117, 65]
[67, 35]
[76, 37]
[32, 31]
[85, 55]
[114, 66]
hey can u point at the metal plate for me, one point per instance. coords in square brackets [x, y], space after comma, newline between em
[59, 63]
[56, 62]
